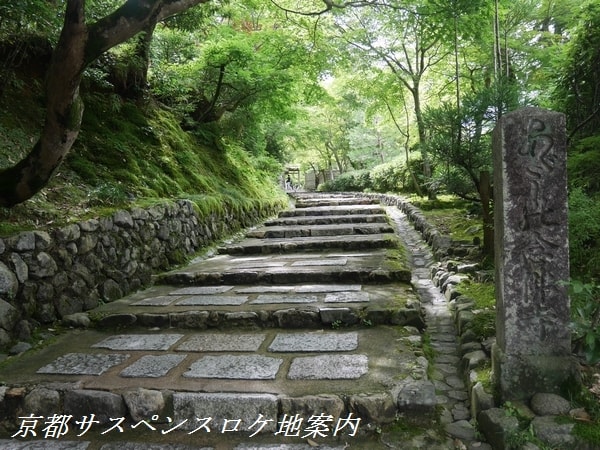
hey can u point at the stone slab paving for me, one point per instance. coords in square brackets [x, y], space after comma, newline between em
[222, 342]
[139, 341]
[314, 342]
[243, 379]
[153, 366]
[312, 230]
[347, 297]
[288, 298]
[333, 210]
[250, 246]
[319, 264]
[161, 300]
[235, 367]
[201, 290]
[327, 288]
[213, 300]
[83, 364]
[328, 262]
[329, 367]
[327, 220]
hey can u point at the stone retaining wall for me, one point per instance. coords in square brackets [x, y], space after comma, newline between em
[46, 275]
[440, 244]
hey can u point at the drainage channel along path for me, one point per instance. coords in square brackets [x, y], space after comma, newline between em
[305, 333]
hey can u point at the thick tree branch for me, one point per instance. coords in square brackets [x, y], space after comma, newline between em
[330, 5]
[78, 45]
[130, 19]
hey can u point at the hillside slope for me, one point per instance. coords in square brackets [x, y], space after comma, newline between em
[127, 153]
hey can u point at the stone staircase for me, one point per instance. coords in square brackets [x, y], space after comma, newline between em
[306, 332]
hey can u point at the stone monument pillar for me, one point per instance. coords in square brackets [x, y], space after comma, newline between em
[533, 350]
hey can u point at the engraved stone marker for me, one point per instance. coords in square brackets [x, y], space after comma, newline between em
[531, 254]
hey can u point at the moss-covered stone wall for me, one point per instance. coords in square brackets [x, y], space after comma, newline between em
[46, 275]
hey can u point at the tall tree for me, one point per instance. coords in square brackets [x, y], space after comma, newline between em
[79, 44]
[407, 42]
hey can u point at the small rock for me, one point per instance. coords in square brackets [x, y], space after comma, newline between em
[42, 401]
[376, 408]
[8, 281]
[105, 405]
[553, 433]
[19, 347]
[461, 430]
[9, 315]
[144, 403]
[550, 405]
[497, 426]
[45, 266]
[77, 320]
[123, 219]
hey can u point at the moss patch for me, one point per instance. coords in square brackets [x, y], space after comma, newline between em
[129, 154]
[452, 216]
[483, 294]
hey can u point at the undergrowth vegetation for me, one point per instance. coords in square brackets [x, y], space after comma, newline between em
[129, 153]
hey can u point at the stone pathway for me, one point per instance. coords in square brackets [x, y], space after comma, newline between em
[306, 332]
[452, 395]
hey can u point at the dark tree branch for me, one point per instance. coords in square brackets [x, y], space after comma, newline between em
[331, 5]
[78, 45]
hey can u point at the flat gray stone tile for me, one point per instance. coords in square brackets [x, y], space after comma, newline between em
[321, 262]
[265, 289]
[319, 288]
[314, 342]
[247, 408]
[152, 366]
[139, 341]
[220, 342]
[287, 298]
[328, 367]
[235, 367]
[259, 264]
[83, 364]
[8, 444]
[249, 258]
[201, 290]
[287, 447]
[213, 300]
[347, 297]
[162, 300]
[149, 446]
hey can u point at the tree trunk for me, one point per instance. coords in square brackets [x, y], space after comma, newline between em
[64, 111]
[427, 172]
[78, 46]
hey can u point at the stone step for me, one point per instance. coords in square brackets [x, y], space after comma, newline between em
[328, 220]
[293, 231]
[309, 202]
[290, 306]
[181, 383]
[250, 351]
[333, 210]
[253, 246]
[370, 266]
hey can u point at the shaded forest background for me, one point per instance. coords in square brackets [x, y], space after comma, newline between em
[395, 96]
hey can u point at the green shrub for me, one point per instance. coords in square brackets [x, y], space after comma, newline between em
[389, 177]
[585, 319]
[356, 181]
[584, 234]
[584, 164]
